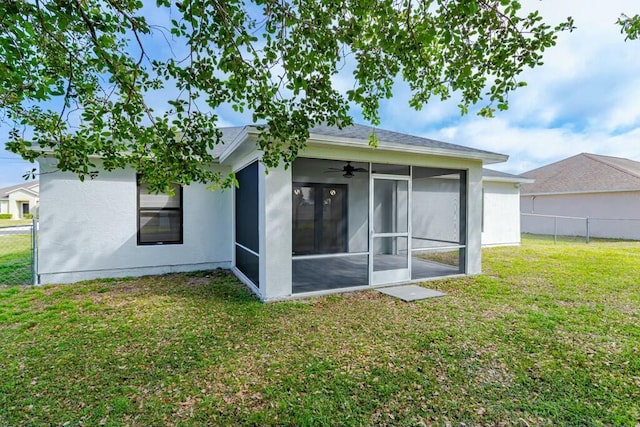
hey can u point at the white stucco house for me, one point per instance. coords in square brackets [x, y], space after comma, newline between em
[20, 199]
[603, 189]
[343, 216]
[501, 207]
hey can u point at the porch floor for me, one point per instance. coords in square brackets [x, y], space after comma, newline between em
[311, 275]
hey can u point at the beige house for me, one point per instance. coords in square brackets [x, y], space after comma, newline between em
[20, 199]
[586, 193]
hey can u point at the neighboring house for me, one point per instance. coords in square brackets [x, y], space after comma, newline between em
[20, 199]
[501, 207]
[602, 188]
[343, 216]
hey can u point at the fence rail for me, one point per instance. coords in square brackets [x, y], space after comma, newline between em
[18, 260]
[586, 227]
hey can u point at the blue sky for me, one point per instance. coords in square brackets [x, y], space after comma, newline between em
[585, 98]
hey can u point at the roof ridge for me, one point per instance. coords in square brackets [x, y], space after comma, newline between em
[550, 164]
[599, 158]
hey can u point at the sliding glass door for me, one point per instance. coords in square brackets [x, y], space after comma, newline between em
[319, 218]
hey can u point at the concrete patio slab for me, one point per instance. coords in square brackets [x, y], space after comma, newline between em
[409, 293]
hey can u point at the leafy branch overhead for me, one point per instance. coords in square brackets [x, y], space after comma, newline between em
[88, 79]
[630, 26]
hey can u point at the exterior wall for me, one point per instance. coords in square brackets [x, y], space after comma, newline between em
[501, 218]
[89, 229]
[4, 206]
[611, 215]
[17, 198]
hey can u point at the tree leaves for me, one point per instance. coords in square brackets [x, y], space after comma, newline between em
[79, 81]
[630, 26]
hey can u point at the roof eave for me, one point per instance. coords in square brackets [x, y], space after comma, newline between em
[486, 158]
[507, 179]
[236, 142]
[27, 189]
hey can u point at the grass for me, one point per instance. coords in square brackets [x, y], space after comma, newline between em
[14, 222]
[15, 259]
[550, 335]
[446, 257]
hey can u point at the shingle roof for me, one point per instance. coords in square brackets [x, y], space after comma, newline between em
[4, 192]
[361, 134]
[584, 173]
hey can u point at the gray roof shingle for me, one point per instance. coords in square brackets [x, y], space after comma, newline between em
[361, 133]
[584, 172]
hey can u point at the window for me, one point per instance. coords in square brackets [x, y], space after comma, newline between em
[159, 216]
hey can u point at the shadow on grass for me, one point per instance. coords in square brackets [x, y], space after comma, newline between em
[207, 285]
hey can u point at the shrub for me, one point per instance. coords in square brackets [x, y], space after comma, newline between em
[28, 216]
[5, 216]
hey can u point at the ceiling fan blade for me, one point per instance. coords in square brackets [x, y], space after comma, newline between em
[360, 170]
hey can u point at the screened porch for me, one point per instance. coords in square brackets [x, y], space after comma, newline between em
[358, 224]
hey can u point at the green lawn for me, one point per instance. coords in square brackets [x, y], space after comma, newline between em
[549, 336]
[14, 222]
[15, 259]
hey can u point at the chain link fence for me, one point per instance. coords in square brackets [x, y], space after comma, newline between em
[18, 261]
[581, 227]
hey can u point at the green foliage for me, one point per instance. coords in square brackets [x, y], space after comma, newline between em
[630, 26]
[5, 216]
[28, 216]
[78, 76]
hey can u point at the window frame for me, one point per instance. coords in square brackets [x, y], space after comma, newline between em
[139, 210]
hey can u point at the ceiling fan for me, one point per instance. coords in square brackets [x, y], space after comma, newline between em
[347, 170]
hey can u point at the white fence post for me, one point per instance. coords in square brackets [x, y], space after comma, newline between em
[587, 229]
[34, 251]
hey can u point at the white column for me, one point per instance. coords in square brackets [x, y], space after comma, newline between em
[275, 233]
[474, 220]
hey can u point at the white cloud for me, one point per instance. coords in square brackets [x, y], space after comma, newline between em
[583, 99]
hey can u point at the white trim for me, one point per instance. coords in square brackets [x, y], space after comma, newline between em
[234, 144]
[391, 177]
[262, 230]
[400, 234]
[27, 189]
[246, 161]
[399, 274]
[433, 249]
[247, 249]
[324, 256]
[508, 180]
[562, 193]
[487, 158]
